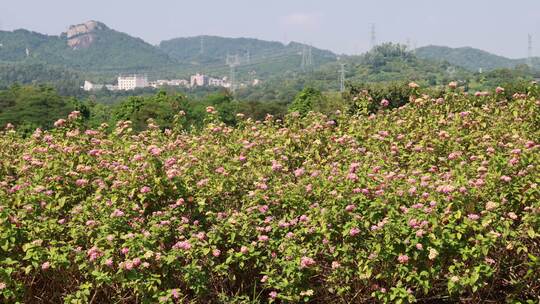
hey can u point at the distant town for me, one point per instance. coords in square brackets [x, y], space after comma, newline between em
[139, 81]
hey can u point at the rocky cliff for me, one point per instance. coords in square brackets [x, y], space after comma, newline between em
[82, 35]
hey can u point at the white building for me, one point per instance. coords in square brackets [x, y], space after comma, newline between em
[132, 82]
[199, 80]
[171, 83]
[88, 86]
[217, 82]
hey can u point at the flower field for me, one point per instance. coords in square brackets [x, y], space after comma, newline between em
[437, 201]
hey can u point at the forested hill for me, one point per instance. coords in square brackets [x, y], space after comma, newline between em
[471, 58]
[90, 46]
[94, 47]
[204, 50]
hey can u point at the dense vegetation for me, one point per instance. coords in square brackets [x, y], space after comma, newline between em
[66, 82]
[31, 107]
[111, 51]
[471, 58]
[434, 200]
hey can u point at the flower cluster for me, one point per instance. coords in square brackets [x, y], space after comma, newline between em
[437, 199]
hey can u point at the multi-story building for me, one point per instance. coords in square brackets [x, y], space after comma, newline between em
[88, 86]
[171, 83]
[217, 82]
[132, 82]
[199, 80]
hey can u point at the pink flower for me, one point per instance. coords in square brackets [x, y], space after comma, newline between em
[210, 109]
[109, 262]
[145, 189]
[243, 249]
[185, 245]
[403, 259]
[385, 103]
[273, 294]
[299, 172]
[306, 262]
[175, 294]
[59, 123]
[2, 285]
[499, 90]
[202, 182]
[350, 208]
[453, 85]
[45, 265]
[335, 265]
[505, 178]
[216, 252]
[263, 238]
[352, 176]
[117, 213]
[354, 231]
[276, 166]
[74, 115]
[94, 253]
[473, 216]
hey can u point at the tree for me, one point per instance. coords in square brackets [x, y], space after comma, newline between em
[307, 100]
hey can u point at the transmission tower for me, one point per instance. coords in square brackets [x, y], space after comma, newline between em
[304, 58]
[342, 78]
[530, 50]
[307, 58]
[310, 57]
[202, 45]
[233, 61]
[248, 57]
[373, 33]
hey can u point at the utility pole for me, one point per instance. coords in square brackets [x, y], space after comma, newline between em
[233, 62]
[373, 37]
[530, 51]
[304, 58]
[342, 78]
[248, 57]
[310, 57]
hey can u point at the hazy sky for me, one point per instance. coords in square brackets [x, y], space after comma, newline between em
[498, 26]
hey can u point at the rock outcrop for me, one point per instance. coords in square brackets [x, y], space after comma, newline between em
[81, 36]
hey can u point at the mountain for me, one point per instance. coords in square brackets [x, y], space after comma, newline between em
[93, 48]
[90, 46]
[209, 54]
[471, 58]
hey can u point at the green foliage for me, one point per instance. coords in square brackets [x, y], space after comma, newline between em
[110, 51]
[471, 58]
[66, 82]
[434, 201]
[30, 107]
[306, 101]
[161, 108]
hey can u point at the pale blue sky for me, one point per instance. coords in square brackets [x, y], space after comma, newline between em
[499, 26]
